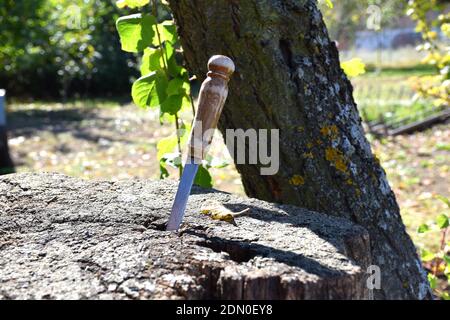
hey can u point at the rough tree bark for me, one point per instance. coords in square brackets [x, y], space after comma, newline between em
[288, 77]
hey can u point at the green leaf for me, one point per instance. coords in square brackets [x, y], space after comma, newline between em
[423, 228]
[203, 178]
[142, 89]
[427, 255]
[151, 61]
[169, 31]
[447, 259]
[165, 146]
[150, 90]
[175, 70]
[135, 31]
[163, 173]
[444, 200]
[442, 221]
[169, 50]
[432, 280]
[329, 4]
[172, 104]
[354, 67]
[175, 87]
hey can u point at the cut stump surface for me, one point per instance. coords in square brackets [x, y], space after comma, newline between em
[66, 238]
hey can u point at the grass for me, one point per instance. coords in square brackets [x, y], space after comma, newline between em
[387, 95]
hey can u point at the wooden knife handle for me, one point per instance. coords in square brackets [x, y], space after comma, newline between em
[213, 93]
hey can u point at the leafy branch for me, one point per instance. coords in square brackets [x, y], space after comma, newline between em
[164, 82]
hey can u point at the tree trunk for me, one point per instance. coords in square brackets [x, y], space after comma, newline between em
[288, 77]
[6, 164]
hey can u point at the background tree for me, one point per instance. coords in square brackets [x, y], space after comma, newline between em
[288, 77]
[347, 17]
[436, 34]
[54, 48]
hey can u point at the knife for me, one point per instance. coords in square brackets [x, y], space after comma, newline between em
[212, 96]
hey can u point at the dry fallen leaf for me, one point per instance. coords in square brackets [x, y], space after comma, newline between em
[216, 211]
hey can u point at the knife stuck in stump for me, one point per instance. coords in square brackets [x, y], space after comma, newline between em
[212, 96]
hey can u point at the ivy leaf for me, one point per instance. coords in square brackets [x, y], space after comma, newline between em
[150, 90]
[203, 178]
[353, 67]
[135, 31]
[442, 221]
[423, 228]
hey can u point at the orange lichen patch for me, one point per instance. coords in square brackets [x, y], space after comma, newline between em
[330, 131]
[308, 155]
[337, 159]
[300, 129]
[297, 180]
[309, 145]
[349, 182]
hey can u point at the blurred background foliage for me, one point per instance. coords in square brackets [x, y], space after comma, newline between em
[61, 49]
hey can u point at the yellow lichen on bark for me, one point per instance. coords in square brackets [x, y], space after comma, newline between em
[330, 131]
[297, 180]
[308, 155]
[337, 159]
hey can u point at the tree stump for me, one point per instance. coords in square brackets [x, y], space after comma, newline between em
[66, 238]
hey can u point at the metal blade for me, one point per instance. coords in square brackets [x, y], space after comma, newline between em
[181, 198]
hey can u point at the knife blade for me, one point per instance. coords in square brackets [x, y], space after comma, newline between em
[184, 189]
[212, 96]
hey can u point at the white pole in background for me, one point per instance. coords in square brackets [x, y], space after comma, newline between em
[2, 108]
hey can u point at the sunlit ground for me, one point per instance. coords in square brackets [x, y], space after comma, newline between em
[119, 142]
